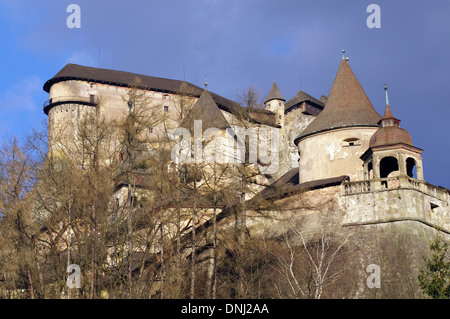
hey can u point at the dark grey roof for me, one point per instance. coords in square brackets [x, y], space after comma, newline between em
[274, 93]
[303, 97]
[288, 184]
[206, 110]
[121, 78]
[347, 105]
[127, 79]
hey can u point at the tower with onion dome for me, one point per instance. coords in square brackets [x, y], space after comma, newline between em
[391, 151]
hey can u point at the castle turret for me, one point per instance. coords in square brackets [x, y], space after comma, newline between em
[332, 144]
[391, 151]
[275, 103]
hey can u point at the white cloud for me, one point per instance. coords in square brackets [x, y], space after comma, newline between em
[22, 95]
[82, 58]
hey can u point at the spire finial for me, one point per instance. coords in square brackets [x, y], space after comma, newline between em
[206, 83]
[387, 99]
[343, 54]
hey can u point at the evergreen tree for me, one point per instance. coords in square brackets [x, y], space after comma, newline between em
[435, 279]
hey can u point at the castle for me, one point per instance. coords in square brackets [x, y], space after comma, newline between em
[337, 147]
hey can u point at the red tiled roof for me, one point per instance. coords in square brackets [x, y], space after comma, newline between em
[347, 105]
[390, 132]
[390, 135]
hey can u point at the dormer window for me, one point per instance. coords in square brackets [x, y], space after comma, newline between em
[352, 142]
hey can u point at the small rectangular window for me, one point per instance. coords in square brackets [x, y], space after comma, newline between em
[150, 130]
[166, 109]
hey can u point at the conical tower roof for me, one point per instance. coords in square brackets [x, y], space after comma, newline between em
[388, 113]
[206, 110]
[347, 105]
[274, 93]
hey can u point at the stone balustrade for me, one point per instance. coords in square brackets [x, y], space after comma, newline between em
[391, 183]
[357, 187]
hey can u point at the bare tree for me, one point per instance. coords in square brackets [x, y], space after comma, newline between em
[18, 254]
[308, 265]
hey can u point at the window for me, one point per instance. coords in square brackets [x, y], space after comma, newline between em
[150, 130]
[411, 168]
[166, 109]
[388, 167]
[353, 141]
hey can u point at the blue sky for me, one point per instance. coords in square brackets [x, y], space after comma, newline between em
[238, 43]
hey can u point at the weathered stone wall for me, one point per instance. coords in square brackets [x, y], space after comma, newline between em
[396, 205]
[398, 249]
[383, 228]
[112, 104]
[294, 123]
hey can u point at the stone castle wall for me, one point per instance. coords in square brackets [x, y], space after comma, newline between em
[397, 204]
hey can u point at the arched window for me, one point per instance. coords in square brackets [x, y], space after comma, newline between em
[388, 165]
[411, 167]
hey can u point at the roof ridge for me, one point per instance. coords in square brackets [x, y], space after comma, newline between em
[302, 96]
[94, 74]
[127, 72]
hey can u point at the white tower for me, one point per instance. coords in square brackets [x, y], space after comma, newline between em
[275, 103]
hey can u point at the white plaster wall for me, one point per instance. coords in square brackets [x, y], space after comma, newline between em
[325, 155]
